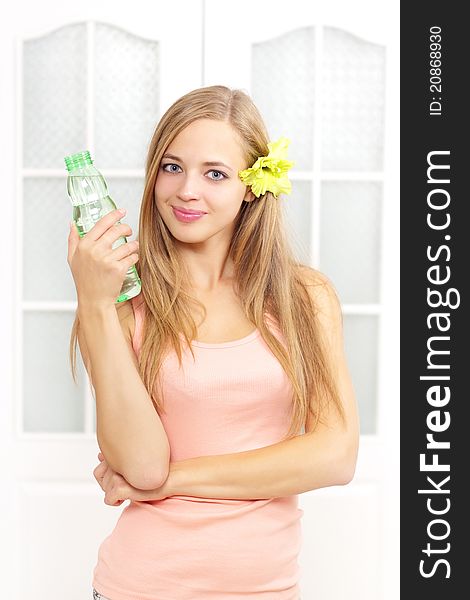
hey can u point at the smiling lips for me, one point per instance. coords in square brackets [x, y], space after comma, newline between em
[187, 216]
[188, 211]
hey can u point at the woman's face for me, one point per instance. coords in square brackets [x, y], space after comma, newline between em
[185, 181]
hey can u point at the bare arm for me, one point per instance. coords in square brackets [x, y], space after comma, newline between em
[129, 431]
[294, 466]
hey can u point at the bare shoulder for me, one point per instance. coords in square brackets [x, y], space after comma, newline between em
[322, 285]
[329, 317]
[324, 296]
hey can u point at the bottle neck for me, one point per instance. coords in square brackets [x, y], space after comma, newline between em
[89, 170]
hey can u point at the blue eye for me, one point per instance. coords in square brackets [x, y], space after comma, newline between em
[170, 165]
[220, 173]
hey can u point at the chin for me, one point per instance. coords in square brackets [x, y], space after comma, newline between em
[186, 236]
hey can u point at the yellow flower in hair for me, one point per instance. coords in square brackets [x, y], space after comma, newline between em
[269, 173]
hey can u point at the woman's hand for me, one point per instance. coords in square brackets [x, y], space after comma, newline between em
[99, 270]
[117, 489]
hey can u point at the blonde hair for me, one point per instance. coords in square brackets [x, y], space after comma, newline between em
[268, 278]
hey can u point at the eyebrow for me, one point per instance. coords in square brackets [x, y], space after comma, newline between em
[208, 163]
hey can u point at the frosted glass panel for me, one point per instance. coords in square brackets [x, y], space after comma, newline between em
[47, 212]
[353, 102]
[361, 348]
[54, 96]
[51, 400]
[126, 96]
[297, 209]
[350, 238]
[283, 89]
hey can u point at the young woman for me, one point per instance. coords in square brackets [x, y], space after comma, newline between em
[222, 390]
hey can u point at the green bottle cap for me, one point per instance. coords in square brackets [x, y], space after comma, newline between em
[78, 160]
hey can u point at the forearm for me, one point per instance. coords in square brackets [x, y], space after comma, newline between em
[129, 430]
[289, 467]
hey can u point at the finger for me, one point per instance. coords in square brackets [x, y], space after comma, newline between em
[125, 250]
[116, 235]
[115, 492]
[103, 224]
[99, 473]
[109, 499]
[99, 478]
[101, 468]
[129, 261]
[107, 479]
[112, 495]
[73, 240]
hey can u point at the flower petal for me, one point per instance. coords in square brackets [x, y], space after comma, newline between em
[269, 173]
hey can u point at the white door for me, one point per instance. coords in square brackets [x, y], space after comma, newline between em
[86, 75]
[325, 74]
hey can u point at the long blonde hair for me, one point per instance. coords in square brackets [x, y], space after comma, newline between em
[267, 275]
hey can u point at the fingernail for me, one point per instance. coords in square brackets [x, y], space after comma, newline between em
[122, 211]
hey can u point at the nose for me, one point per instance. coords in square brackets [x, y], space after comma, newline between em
[190, 188]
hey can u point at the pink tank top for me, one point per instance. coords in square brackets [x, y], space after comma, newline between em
[234, 397]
